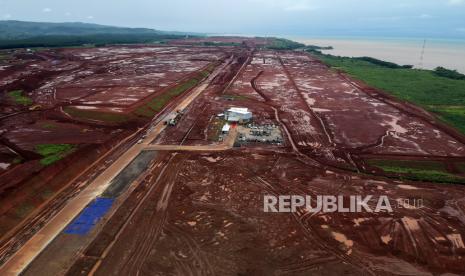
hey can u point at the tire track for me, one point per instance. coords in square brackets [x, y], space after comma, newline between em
[322, 124]
[131, 217]
[302, 219]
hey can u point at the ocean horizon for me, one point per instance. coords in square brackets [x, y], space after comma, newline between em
[448, 53]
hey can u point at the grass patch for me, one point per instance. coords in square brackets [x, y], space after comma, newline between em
[454, 115]
[235, 97]
[97, 39]
[97, 116]
[144, 111]
[430, 171]
[159, 102]
[18, 97]
[53, 152]
[48, 126]
[46, 194]
[156, 104]
[17, 160]
[214, 43]
[460, 166]
[446, 73]
[423, 165]
[443, 96]
[214, 129]
[284, 44]
[23, 210]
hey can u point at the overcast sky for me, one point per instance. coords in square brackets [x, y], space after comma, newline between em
[408, 18]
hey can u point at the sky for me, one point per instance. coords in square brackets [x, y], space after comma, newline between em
[306, 18]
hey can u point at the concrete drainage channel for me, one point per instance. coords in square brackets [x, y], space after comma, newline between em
[80, 232]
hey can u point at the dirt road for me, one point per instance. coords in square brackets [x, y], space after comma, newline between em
[227, 144]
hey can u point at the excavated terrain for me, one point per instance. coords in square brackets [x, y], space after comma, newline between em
[197, 207]
[87, 98]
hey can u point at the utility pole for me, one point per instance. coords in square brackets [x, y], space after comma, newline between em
[420, 66]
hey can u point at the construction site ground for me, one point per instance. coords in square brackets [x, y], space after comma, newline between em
[185, 202]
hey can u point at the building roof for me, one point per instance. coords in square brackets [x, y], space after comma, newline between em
[240, 110]
[233, 119]
[226, 128]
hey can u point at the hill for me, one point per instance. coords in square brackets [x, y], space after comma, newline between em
[12, 30]
[21, 34]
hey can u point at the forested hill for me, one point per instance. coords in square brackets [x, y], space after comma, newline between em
[17, 34]
[20, 29]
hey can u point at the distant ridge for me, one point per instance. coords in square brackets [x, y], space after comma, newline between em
[13, 29]
[21, 34]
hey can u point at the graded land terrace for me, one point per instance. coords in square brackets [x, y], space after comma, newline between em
[144, 196]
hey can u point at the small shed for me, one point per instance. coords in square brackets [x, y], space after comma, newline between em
[226, 128]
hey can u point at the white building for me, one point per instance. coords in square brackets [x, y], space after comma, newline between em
[226, 128]
[238, 114]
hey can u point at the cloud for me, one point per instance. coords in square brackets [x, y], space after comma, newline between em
[67, 13]
[461, 30]
[381, 18]
[90, 17]
[425, 16]
[288, 5]
[46, 10]
[404, 5]
[300, 6]
[456, 2]
[7, 16]
[397, 18]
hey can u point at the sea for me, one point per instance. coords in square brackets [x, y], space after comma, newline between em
[419, 52]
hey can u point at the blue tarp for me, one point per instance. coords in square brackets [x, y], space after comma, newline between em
[89, 216]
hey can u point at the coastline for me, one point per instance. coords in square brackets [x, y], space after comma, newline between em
[438, 52]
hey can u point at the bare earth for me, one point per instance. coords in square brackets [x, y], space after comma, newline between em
[197, 209]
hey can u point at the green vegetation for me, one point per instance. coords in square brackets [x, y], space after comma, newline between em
[422, 165]
[48, 126]
[12, 29]
[235, 97]
[284, 44]
[19, 34]
[312, 48]
[157, 103]
[53, 152]
[79, 40]
[214, 129]
[443, 96]
[446, 73]
[23, 210]
[430, 171]
[18, 97]
[460, 166]
[212, 43]
[17, 160]
[454, 115]
[109, 117]
[46, 194]
[384, 63]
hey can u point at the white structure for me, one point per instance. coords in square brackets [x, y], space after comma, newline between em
[226, 128]
[238, 114]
